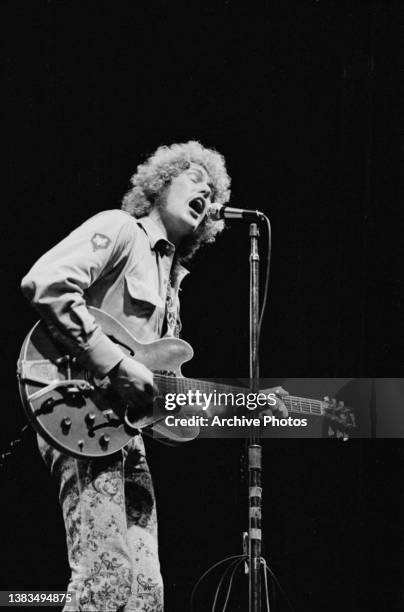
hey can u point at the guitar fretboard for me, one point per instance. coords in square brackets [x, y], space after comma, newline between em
[303, 405]
[172, 384]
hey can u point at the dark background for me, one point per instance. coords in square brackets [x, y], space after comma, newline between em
[301, 99]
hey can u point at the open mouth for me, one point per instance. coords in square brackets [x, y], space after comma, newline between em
[197, 205]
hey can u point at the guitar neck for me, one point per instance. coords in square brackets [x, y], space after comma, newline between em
[303, 405]
[218, 393]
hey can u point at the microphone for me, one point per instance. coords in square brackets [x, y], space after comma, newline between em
[217, 212]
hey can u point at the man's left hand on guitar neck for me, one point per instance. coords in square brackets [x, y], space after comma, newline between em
[279, 409]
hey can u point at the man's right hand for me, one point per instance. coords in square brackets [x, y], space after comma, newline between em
[134, 384]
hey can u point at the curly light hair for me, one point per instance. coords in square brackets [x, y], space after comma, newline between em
[157, 172]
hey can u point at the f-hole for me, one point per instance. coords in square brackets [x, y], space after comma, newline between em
[125, 346]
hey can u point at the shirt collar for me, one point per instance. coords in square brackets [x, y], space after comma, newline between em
[154, 232]
[156, 238]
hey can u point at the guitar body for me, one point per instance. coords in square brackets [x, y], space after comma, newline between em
[81, 415]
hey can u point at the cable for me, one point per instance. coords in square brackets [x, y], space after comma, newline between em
[266, 586]
[241, 557]
[230, 585]
[232, 566]
[277, 583]
[267, 270]
[219, 586]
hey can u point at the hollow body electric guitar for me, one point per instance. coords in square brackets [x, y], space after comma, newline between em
[83, 416]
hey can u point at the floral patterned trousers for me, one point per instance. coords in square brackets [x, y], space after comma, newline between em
[111, 530]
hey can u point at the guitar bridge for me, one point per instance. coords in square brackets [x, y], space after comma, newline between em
[40, 371]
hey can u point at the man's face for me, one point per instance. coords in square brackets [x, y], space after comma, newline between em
[184, 203]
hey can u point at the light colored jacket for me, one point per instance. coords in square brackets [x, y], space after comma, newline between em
[114, 262]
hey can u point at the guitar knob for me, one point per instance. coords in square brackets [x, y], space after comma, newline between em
[66, 424]
[90, 418]
[104, 441]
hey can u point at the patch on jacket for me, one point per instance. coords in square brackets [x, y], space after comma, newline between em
[100, 241]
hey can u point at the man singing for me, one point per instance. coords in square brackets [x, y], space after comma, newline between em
[128, 263]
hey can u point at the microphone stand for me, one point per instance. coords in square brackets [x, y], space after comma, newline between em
[252, 541]
[254, 448]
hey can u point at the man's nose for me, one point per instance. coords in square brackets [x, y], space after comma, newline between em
[206, 192]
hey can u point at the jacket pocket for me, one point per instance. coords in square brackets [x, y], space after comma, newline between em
[140, 299]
